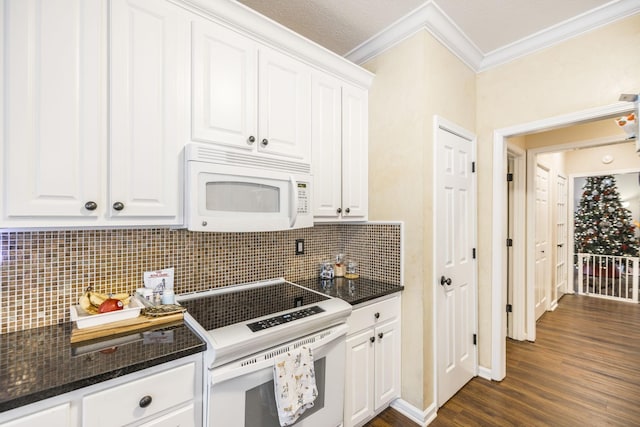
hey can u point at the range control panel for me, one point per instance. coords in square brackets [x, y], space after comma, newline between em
[284, 318]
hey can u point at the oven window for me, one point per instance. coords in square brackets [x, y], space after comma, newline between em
[260, 402]
[234, 196]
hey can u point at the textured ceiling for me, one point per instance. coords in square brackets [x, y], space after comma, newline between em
[342, 25]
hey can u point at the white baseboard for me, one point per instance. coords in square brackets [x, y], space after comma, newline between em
[416, 415]
[484, 373]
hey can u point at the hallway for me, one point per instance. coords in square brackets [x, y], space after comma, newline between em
[583, 370]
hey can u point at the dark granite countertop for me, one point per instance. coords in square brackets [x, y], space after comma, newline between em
[354, 291]
[37, 364]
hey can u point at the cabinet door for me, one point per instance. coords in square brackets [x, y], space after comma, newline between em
[58, 416]
[53, 82]
[224, 91]
[387, 363]
[284, 114]
[326, 141]
[354, 153]
[149, 92]
[359, 386]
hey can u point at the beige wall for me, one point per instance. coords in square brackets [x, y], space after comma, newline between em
[414, 81]
[589, 160]
[584, 72]
[594, 131]
[419, 78]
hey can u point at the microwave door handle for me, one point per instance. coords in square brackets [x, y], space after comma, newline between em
[294, 204]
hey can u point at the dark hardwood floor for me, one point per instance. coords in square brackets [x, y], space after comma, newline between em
[583, 370]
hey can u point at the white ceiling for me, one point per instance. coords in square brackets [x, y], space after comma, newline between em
[490, 25]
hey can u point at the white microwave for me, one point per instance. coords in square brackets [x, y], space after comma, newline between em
[226, 192]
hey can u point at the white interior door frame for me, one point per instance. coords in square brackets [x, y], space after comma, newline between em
[498, 226]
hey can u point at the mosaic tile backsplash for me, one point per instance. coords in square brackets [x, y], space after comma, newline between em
[42, 273]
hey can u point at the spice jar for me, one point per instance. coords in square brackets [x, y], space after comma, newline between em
[340, 265]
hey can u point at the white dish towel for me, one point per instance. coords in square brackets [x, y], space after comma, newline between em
[294, 381]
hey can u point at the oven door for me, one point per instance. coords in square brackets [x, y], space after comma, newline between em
[242, 392]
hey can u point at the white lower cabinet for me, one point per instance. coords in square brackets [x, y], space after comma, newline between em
[166, 395]
[57, 416]
[373, 360]
[140, 399]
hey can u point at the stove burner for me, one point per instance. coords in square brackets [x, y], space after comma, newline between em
[284, 318]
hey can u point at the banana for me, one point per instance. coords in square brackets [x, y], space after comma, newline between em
[121, 296]
[84, 302]
[90, 301]
[97, 298]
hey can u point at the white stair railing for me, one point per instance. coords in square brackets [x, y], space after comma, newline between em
[608, 276]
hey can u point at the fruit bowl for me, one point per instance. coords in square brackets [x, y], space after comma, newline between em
[87, 320]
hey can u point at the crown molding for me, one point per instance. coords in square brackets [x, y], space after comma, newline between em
[428, 17]
[431, 18]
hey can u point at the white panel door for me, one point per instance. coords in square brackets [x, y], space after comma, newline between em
[149, 92]
[454, 242]
[326, 141]
[561, 236]
[54, 123]
[359, 384]
[355, 141]
[542, 277]
[225, 86]
[284, 99]
[387, 363]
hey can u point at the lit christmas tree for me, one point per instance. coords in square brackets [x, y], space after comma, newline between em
[602, 225]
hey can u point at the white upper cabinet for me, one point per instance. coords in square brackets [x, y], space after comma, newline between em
[76, 154]
[247, 96]
[225, 96]
[54, 107]
[340, 150]
[284, 121]
[148, 126]
[355, 153]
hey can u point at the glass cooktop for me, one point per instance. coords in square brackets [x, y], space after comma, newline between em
[227, 308]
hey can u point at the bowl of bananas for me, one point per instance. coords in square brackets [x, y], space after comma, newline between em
[95, 308]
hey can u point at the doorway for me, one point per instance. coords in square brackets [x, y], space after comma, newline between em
[500, 225]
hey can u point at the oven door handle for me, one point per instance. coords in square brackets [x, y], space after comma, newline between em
[247, 365]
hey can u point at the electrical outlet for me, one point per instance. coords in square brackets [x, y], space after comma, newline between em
[299, 246]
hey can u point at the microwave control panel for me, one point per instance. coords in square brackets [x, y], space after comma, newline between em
[303, 198]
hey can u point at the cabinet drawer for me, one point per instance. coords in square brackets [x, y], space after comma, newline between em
[58, 416]
[373, 314]
[120, 405]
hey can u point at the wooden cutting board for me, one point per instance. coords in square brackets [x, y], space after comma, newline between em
[122, 327]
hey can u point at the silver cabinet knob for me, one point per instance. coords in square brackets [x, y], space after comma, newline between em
[118, 206]
[91, 206]
[251, 140]
[265, 142]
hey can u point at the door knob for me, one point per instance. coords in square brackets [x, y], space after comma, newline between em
[445, 281]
